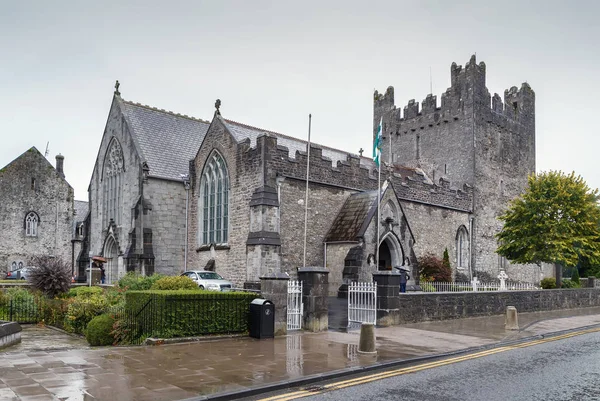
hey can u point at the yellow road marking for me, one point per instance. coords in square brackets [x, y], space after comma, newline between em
[429, 365]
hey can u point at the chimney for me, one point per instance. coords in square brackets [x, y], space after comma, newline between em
[59, 165]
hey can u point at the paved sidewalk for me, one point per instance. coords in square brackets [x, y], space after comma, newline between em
[63, 368]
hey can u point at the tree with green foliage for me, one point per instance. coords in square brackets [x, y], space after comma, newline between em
[554, 221]
[446, 259]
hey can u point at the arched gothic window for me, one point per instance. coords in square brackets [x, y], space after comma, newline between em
[31, 224]
[112, 188]
[213, 203]
[462, 248]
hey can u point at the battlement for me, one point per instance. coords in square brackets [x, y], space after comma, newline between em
[360, 174]
[466, 96]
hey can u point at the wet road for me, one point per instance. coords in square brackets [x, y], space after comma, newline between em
[567, 369]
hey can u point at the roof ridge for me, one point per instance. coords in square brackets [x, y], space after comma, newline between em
[288, 137]
[129, 102]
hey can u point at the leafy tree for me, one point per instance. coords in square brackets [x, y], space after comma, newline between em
[554, 221]
[446, 259]
[432, 267]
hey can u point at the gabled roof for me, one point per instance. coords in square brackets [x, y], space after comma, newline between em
[166, 141]
[349, 224]
[241, 132]
[81, 210]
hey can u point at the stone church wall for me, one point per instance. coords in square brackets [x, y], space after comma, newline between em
[115, 127]
[245, 174]
[324, 204]
[435, 229]
[168, 224]
[30, 183]
[336, 254]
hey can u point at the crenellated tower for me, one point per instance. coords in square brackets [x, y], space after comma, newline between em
[471, 137]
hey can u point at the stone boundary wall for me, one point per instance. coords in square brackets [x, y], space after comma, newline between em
[420, 307]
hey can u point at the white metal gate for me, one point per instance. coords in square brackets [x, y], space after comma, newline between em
[295, 307]
[362, 303]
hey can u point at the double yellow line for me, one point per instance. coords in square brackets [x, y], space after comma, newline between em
[397, 372]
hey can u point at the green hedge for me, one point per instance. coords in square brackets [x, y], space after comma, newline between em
[184, 313]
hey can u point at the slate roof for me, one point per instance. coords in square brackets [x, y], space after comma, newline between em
[348, 225]
[241, 132]
[81, 210]
[166, 141]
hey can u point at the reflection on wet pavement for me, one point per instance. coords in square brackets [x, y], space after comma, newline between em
[49, 365]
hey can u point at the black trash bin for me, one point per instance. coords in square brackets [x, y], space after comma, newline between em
[262, 318]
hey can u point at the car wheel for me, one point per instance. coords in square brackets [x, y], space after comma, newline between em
[201, 287]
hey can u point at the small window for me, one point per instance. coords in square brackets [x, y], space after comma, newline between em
[31, 223]
[14, 266]
[20, 265]
[32, 183]
[445, 169]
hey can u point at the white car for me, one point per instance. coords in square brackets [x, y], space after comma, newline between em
[208, 280]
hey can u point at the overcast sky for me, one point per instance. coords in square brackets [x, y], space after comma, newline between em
[273, 62]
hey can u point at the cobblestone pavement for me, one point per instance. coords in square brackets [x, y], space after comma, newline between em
[50, 365]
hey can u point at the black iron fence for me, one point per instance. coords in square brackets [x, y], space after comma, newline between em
[185, 314]
[21, 309]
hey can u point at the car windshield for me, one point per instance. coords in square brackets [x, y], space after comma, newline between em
[210, 276]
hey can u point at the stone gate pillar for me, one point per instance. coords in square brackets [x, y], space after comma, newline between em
[273, 287]
[315, 287]
[263, 246]
[388, 301]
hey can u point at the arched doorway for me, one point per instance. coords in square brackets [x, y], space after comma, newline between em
[390, 252]
[112, 260]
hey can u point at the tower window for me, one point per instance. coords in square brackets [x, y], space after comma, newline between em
[32, 183]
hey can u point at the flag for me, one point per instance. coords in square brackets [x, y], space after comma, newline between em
[377, 143]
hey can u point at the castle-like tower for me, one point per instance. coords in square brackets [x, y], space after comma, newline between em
[471, 138]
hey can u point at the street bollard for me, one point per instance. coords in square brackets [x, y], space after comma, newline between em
[512, 319]
[366, 343]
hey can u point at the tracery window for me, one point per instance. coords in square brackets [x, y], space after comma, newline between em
[113, 183]
[462, 248]
[213, 203]
[31, 224]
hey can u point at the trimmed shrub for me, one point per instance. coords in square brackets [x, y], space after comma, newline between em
[433, 267]
[137, 282]
[575, 276]
[84, 292]
[99, 330]
[50, 275]
[174, 283]
[184, 313]
[548, 283]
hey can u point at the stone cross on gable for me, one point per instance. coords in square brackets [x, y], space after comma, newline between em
[360, 151]
[117, 84]
[474, 283]
[502, 277]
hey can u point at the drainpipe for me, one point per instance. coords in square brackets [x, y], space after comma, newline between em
[186, 184]
[471, 225]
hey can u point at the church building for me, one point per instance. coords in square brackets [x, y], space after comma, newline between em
[170, 192]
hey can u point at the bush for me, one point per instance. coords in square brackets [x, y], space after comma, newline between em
[24, 305]
[548, 283]
[431, 266]
[136, 282]
[575, 276]
[50, 275]
[175, 283]
[484, 277]
[566, 283]
[461, 277]
[81, 310]
[99, 330]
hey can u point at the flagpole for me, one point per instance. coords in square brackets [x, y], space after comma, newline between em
[306, 194]
[378, 206]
